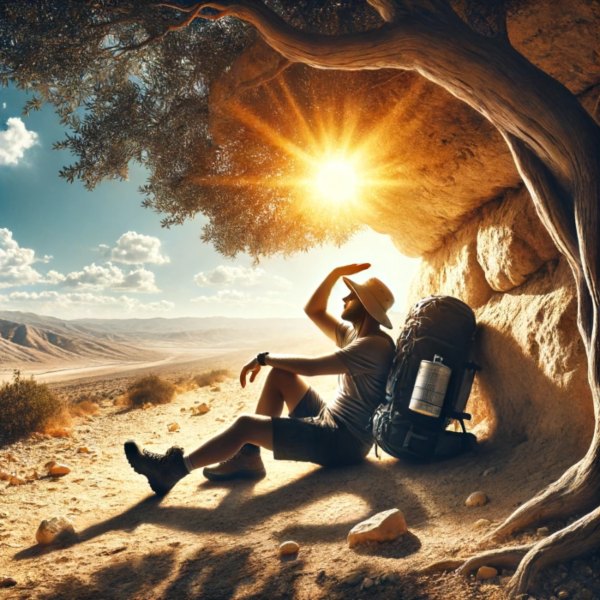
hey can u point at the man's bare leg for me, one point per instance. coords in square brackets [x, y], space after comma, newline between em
[281, 388]
[242, 439]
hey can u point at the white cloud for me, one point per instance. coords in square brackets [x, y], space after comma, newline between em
[14, 141]
[135, 249]
[241, 299]
[110, 277]
[245, 276]
[56, 302]
[16, 262]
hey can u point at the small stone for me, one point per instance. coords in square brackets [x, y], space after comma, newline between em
[14, 480]
[382, 527]
[54, 529]
[201, 409]
[489, 471]
[476, 499]
[543, 531]
[321, 576]
[4, 476]
[6, 582]
[562, 594]
[289, 548]
[484, 573]
[83, 450]
[367, 583]
[172, 427]
[58, 470]
[481, 523]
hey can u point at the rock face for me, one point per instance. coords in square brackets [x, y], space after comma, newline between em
[461, 206]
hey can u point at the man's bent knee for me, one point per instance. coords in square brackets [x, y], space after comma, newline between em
[281, 377]
[256, 429]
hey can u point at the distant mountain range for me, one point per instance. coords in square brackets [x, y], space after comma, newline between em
[32, 338]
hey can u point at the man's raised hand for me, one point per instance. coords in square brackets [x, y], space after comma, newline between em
[251, 367]
[351, 269]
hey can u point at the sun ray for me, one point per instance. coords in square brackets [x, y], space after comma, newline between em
[301, 119]
[248, 118]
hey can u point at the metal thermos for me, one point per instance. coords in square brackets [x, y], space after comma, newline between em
[430, 387]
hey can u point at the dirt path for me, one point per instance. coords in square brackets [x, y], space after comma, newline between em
[207, 540]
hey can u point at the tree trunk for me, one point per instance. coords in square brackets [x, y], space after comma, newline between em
[556, 147]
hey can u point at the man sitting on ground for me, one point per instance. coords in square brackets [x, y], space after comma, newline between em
[327, 434]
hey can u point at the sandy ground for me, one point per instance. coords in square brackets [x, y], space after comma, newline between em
[207, 540]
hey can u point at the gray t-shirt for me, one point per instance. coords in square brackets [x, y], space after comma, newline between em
[368, 360]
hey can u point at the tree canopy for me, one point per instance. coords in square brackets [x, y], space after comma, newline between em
[129, 85]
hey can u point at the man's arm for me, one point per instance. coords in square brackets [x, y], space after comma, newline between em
[316, 307]
[329, 364]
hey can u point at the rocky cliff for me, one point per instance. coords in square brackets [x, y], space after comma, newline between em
[459, 203]
[480, 240]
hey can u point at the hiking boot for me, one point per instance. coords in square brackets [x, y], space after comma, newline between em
[243, 465]
[163, 471]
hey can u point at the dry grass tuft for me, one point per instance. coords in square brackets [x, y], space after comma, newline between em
[149, 390]
[25, 406]
[212, 377]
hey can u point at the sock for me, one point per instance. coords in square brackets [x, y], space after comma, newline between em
[187, 463]
[250, 449]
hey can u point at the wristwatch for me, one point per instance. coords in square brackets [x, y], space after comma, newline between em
[261, 358]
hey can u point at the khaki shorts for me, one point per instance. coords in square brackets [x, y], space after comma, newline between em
[311, 434]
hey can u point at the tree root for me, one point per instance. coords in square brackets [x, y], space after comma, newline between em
[580, 537]
[574, 492]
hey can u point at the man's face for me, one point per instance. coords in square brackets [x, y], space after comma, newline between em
[353, 309]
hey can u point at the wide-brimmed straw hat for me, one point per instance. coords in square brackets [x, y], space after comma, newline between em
[375, 296]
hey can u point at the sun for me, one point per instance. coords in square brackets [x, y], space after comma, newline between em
[336, 180]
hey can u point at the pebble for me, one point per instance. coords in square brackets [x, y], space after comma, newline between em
[4, 476]
[484, 573]
[172, 427]
[489, 471]
[83, 450]
[563, 594]
[53, 529]
[367, 583]
[481, 523]
[14, 480]
[289, 548]
[543, 531]
[476, 499]
[58, 470]
[382, 527]
[6, 582]
[201, 409]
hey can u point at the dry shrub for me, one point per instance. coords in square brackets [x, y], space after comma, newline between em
[212, 377]
[149, 390]
[83, 408]
[25, 407]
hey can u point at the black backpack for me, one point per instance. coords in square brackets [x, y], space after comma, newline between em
[436, 327]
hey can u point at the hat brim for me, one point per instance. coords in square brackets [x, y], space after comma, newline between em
[370, 303]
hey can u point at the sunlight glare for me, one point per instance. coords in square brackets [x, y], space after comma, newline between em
[336, 180]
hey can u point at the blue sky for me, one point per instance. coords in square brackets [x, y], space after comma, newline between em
[70, 253]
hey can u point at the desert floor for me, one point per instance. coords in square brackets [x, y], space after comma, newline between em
[207, 540]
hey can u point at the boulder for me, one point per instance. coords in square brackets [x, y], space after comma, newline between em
[382, 527]
[53, 530]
